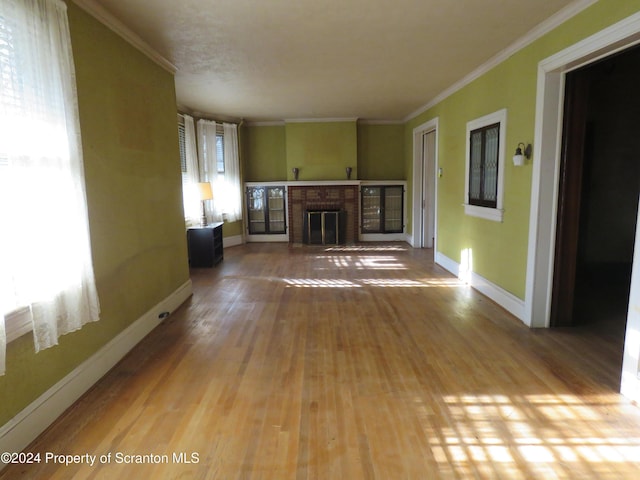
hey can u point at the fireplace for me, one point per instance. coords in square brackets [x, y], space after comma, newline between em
[324, 227]
[316, 198]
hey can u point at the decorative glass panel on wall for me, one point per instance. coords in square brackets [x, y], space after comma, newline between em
[490, 187]
[475, 169]
[483, 166]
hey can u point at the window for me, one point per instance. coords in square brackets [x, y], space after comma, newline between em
[189, 169]
[220, 165]
[485, 166]
[49, 280]
[220, 152]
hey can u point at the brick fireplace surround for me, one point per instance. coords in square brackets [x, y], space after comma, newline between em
[322, 196]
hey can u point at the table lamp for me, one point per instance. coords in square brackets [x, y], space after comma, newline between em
[205, 194]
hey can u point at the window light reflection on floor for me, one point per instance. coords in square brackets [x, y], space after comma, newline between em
[367, 248]
[320, 283]
[371, 282]
[551, 433]
[368, 262]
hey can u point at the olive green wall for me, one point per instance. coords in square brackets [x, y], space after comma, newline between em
[322, 150]
[265, 153]
[499, 250]
[381, 152]
[127, 115]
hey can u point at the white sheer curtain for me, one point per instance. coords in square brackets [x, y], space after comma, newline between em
[207, 154]
[227, 190]
[191, 177]
[45, 254]
[233, 189]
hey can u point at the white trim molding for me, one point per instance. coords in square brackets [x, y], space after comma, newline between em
[321, 120]
[22, 429]
[544, 186]
[265, 123]
[415, 240]
[546, 156]
[18, 323]
[507, 300]
[232, 241]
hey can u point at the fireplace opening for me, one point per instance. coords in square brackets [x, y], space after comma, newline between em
[324, 227]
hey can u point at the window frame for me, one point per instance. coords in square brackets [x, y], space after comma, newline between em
[489, 213]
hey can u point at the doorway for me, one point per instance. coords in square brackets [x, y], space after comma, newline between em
[424, 211]
[598, 195]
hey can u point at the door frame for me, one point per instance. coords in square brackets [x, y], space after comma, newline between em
[545, 181]
[419, 182]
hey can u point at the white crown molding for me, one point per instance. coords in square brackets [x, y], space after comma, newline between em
[381, 122]
[93, 8]
[272, 123]
[320, 120]
[534, 34]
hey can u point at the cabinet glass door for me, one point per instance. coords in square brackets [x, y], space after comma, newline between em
[276, 210]
[382, 209]
[371, 209]
[393, 209]
[256, 207]
[266, 210]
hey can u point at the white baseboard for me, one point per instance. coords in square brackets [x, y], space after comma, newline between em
[383, 237]
[232, 241]
[263, 238]
[22, 429]
[506, 300]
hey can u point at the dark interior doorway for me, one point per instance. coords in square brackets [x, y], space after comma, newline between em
[598, 195]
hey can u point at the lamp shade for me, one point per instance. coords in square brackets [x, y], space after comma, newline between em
[205, 191]
[518, 159]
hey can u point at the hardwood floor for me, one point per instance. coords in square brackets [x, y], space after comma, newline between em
[360, 362]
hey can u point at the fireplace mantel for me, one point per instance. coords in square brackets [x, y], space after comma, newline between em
[307, 183]
[322, 195]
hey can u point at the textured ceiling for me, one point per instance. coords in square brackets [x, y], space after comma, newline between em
[284, 59]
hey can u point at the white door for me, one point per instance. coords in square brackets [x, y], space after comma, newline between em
[428, 188]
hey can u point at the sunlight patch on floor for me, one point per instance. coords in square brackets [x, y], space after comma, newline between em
[369, 282]
[368, 248]
[579, 434]
[368, 262]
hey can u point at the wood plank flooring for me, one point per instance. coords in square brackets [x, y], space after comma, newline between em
[363, 362]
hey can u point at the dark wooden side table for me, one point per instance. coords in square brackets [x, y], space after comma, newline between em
[205, 245]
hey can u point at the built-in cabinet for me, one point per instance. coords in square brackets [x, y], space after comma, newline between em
[375, 212]
[266, 209]
[382, 208]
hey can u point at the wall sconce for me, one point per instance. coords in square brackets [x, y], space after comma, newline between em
[296, 172]
[518, 158]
